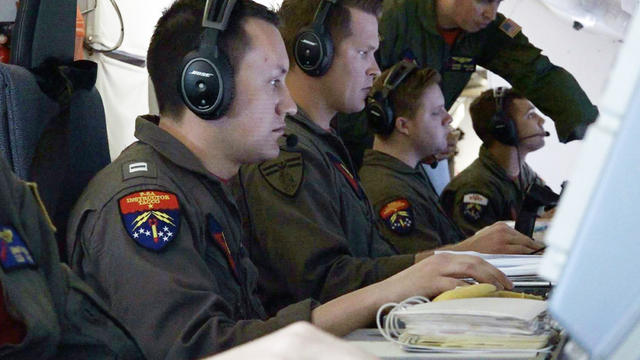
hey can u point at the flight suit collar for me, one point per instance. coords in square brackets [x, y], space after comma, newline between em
[148, 131]
[492, 165]
[378, 158]
[301, 118]
[429, 18]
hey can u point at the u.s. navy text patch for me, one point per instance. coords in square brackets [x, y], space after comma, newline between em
[14, 253]
[151, 218]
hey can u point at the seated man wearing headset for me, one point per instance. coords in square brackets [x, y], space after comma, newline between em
[46, 312]
[493, 187]
[406, 111]
[157, 233]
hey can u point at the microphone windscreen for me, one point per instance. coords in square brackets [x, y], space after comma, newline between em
[292, 140]
[546, 133]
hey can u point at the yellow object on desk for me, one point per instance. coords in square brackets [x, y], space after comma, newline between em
[482, 290]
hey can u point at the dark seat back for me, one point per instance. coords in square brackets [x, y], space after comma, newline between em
[52, 123]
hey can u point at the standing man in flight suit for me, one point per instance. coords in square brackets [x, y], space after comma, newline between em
[312, 229]
[493, 187]
[455, 36]
[157, 233]
[406, 111]
[46, 312]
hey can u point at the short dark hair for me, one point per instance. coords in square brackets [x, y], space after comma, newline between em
[483, 108]
[178, 32]
[297, 14]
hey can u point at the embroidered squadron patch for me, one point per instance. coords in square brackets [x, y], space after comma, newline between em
[398, 216]
[355, 185]
[217, 234]
[151, 217]
[510, 28]
[284, 173]
[473, 206]
[14, 253]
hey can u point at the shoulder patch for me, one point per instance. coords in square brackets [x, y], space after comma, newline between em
[473, 206]
[14, 253]
[510, 28]
[398, 216]
[355, 185]
[217, 234]
[151, 218]
[284, 173]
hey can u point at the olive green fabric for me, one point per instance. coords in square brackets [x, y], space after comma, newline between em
[320, 241]
[387, 180]
[64, 319]
[411, 25]
[185, 301]
[486, 178]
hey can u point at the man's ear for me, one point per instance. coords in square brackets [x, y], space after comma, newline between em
[402, 125]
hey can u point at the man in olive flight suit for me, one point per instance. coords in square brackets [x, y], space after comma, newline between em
[406, 110]
[158, 235]
[455, 36]
[46, 312]
[493, 187]
[312, 231]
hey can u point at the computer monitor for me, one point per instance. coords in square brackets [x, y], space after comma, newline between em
[594, 240]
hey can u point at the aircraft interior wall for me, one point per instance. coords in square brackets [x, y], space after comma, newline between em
[586, 54]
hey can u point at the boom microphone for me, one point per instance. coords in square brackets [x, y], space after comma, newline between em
[292, 140]
[545, 134]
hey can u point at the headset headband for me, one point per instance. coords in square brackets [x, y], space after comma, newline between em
[396, 75]
[498, 97]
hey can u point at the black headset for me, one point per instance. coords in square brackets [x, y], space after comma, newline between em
[501, 126]
[313, 48]
[379, 108]
[206, 75]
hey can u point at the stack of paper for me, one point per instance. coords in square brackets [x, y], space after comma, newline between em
[475, 323]
[510, 265]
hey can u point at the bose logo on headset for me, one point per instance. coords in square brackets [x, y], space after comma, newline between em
[205, 75]
[313, 48]
[200, 73]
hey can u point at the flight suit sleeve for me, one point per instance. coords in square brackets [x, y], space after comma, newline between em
[391, 27]
[404, 222]
[550, 88]
[301, 236]
[169, 300]
[471, 209]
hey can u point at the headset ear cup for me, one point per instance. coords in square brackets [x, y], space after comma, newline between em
[206, 84]
[380, 116]
[504, 129]
[313, 51]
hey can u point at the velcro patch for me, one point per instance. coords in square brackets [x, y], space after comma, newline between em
[14, 253]
[355, 185]
[284, 173]
[510, 28]
[398, 216]
[151, 218]
[217, 234]
[474, 206]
